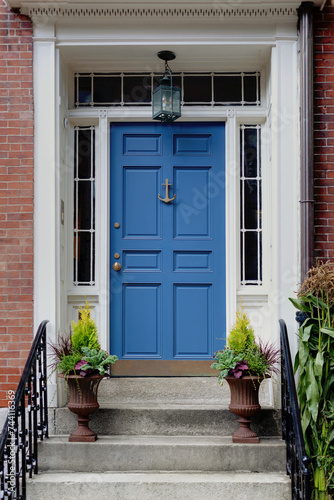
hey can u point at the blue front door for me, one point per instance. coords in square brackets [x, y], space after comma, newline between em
[168, 298]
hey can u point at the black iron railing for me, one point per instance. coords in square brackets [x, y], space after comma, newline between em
[297, 462]
[27, 421]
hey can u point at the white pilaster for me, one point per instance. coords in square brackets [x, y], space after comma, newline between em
[45, 181]
[232, 217]
[102, 225]
[285, 185]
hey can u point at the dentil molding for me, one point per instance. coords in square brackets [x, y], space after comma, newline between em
[159, 12]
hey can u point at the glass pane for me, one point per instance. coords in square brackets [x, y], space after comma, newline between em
[166, 99]
[251, 256]
[75, 206]
[260, 254]
[250, 88]
[137, 89]
[84, 245]
[197, 88]
[177, 102]
[93, 207]
[251, 152]
[250, 204]
[107, 89]
[85, 91]
[84, 205]
[177, 82]
[93, 259]
[227, 89]
[84, 155]
[157, 102]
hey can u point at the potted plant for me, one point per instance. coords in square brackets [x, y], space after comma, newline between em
[81, 361]
[244, 364]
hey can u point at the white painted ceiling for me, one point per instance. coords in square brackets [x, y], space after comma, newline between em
[143, 58]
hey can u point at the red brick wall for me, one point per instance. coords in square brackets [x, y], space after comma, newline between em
[324, 131]
[16, 197]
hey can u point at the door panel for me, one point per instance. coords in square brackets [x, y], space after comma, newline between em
[141, 219]
[192, 325]
[168, 299]
[192, 210]
[142, 313]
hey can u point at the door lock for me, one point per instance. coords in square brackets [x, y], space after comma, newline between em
[116, 266]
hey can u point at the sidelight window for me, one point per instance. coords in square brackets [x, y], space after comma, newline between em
[84, 207]
[250, 205]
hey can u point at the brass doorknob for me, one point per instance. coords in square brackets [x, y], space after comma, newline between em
[116, 266]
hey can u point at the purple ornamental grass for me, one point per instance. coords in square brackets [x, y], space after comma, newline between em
[62, 348]
[272, 355]
[239, 369]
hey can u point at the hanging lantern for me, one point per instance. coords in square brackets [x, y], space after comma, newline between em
[166, 100]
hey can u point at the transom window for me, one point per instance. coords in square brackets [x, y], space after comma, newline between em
[132, 89]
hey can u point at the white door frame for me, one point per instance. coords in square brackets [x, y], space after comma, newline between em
[53, 73]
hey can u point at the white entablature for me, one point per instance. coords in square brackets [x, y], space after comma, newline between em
[159, 8]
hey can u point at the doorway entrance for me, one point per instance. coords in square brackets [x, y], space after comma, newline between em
[168, 294]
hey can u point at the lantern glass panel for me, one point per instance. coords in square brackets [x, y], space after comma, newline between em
[167, 99]
[157, 105]
[176, 102]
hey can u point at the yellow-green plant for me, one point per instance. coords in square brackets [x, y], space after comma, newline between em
[243, 355]
[80, 352]
[84, 332]
[241, 335]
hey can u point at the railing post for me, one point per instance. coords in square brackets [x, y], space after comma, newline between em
[297, 461]
[45, 387]
[23, 444]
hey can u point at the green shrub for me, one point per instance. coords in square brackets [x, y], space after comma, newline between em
[256, 361]
[84, 332]
[67, 364]
[241, 335]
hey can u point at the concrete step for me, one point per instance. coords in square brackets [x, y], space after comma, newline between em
[167, 438]
[167, 486]
[167, 406]
[168, 420]
[171, 390]
[161, 453]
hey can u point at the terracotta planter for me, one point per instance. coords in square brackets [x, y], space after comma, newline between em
[83, 402]
[245, 404]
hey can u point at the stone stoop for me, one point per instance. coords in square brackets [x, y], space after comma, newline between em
[162, 438]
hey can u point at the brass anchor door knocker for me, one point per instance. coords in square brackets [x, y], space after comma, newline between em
[167, 199]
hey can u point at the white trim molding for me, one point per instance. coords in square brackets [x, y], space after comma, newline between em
[103, 4]
[228, 12]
